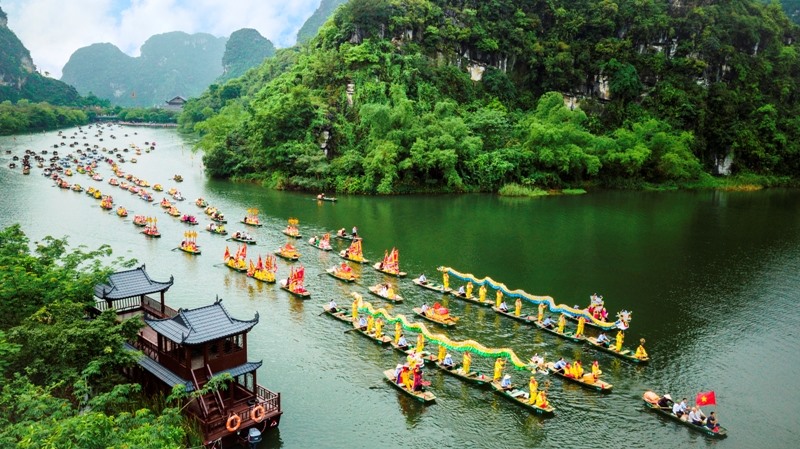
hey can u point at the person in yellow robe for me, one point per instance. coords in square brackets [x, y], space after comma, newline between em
[466, 363]
[499, 364]
[620, 338]
[562, 321]
[355, 309]
[498, 298]
[540, 316]
[378, 328]
[596, 369]
[581, 324]
[469, 290]
[541, 400]
[420, 343]
[445, 280]
[398, 331]
[533, 388]
[577, 369]
[370, 323]
[517, 307]
[482, 293]
[640, 352]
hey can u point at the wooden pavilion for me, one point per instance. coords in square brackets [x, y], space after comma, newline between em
[189, 347]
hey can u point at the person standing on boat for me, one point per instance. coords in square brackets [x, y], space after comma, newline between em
[581, 324]
[498, 298]
[466, 362]
[562, 321]
[469, 290]
[445, 280]
[378, 328]
[533, 390]
[540, 315]
[355, 232]
[517, 307]
[596, 371]
[620, 338]
[355, 309]
[482, 293]
[541, 400]
[499, 364]
[640, 352]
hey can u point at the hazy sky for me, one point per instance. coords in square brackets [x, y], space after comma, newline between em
[53, 29]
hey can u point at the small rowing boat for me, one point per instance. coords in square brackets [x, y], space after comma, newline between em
[354, 252]
[625, 354]
[390, 264]
[431, 286]
[324, 243]
[521, 398]
[243, 237]
[567, 336]
[292, 230]
[343, 273]
[587, 380]
[288, 252]
[433, 315]
[294, 283]
[425, 396]
[385, 291]
[322, 197]
[264, 270]
[471, 298]
[651, 398]
[216, 229]
[251, 219]
[524, 318]
[341, 234]
[472, 376]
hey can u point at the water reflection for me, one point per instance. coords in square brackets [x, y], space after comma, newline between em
[411, 408]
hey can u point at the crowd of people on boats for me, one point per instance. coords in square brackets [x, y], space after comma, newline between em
[693, 415]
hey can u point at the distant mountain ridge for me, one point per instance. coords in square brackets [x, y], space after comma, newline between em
[171, 64]
[18, 77]
[320, 16]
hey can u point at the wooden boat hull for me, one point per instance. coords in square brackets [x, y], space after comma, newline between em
[319, 248]
[722, 433]
[599, 385]
[287, 257]
[432, 286]
[249, 242]
[257, 225]
[448, 323]
[301, 295]
[626, 354]
[374, 291]
[195, 252]
[473, 299]
[426, 397]
[472, 376]
[362, 261]
[555, 332]
[218, 233]
[240, 270]
[329, 199]
[343, 237]
[334, 273]
[518, 399]
[398, 274]
[339, 314]
[524, 318]
[152, 236]
[294, 236]
[217, 220]
[269, 280]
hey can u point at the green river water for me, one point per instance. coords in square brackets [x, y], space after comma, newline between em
[712, 279]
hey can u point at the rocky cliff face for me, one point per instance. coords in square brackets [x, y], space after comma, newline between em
[18, 76]
[323, 12]
[245, 49]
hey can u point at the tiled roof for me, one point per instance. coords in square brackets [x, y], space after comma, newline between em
[172, 379]
[196, 326]
[158, 370]
[130, 283]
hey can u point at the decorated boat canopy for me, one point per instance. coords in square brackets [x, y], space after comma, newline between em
[622, 323]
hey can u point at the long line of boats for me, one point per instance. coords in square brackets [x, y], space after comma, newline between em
[390, 266]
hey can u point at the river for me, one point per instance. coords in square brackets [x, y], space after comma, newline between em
[712, 279]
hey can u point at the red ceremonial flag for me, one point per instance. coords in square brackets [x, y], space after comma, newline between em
[707, 398]
[227, 254]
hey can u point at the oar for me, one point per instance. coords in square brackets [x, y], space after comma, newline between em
[353, 329]
[173, 249]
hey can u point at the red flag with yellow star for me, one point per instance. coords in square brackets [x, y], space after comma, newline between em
[707, 398]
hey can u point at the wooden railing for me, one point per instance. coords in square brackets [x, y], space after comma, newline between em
[148, 304]
[214, 427]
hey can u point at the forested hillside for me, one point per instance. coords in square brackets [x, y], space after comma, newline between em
[170, 64]
[245, 49]
[19, 79]
[321, 14]
[451, 95]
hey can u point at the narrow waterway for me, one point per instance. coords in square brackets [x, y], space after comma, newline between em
[712, 279]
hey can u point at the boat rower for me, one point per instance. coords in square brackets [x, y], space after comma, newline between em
[560, 365]
[462, 291]
[422, 279]
[503, 307]
[665, 401]
[506, 382]
[548, 323]
[448, 362]
[332, 306]
[362, 322]
[603, 339]
[402, 343]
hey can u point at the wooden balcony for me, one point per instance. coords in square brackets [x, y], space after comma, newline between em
[129, 307]
[214, 424]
